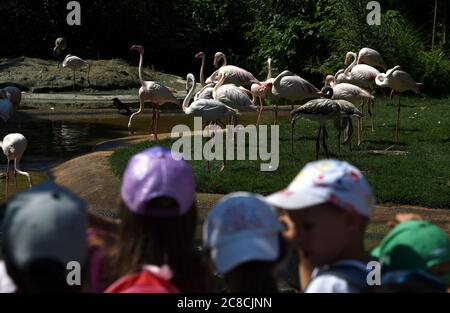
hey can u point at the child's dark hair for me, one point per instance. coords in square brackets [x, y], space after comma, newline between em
[158, 241]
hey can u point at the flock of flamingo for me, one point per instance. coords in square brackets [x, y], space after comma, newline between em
[231, 89]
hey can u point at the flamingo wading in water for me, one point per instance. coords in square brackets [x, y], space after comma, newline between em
[153, 92]
[13, 146]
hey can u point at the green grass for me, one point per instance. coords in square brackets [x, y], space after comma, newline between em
[422, 177]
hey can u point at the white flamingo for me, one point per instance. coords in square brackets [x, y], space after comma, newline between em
[368, 56]
[399, 81]
[153, 92]
[232, 74]
[14, 145]
[346, 91]
[235, 97]
[207, 89]
[361, 75]
[208, 109]
[75, 64]
[292, 87]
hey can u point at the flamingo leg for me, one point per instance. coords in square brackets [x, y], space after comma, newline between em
[151, 131]
[372, 102]
[292, 135]
[339, 135]
[318, 142]
[261, 106]
[15, 178]
[398, 119]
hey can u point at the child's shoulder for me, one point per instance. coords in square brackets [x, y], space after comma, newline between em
[349, 276]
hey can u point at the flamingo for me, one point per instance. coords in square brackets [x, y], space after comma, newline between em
[75, 64]
[293, 87]
[209, 109]
[14, 95]
[219, 56]
[58, 50]
[368, 56]
[319, 110]
[399, 81]
[347, 111]
[235, 97]
[232, 74]
[263, 91]
[345, 91]
[14, 146]
[207, 89]
[361, 75]
[153, 92]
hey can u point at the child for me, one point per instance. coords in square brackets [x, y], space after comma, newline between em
[243, 235]
[155, 251]
[44, 229]
[415, 245]
[330, 204]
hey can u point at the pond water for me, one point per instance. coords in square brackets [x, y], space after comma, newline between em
[54, 137]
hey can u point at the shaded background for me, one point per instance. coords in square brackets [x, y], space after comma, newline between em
[309, 37]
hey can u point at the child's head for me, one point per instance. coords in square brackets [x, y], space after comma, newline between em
[330, 203]
[44, 229]
[243, 236]
[416, 245]
[158, 215]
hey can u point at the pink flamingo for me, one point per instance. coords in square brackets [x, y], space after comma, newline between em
[368, 56]
[399, 81]
[232, 74]
[153, 92]
[263, 91]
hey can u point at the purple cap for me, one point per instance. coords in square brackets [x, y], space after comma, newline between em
[155, 173]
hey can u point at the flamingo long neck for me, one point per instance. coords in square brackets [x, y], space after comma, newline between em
[202, 72]
[141, 72]
[351, 66]
[188, 98]
[269, 69]
[225, 60]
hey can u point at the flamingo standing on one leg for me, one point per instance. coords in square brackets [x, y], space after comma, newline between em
[347, 110]
[292, 87]
[399, 81]
[14, 146]
[209, 109]
[75, 64]
[153, 92]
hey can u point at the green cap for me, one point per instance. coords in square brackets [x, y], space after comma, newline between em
[413, 245]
